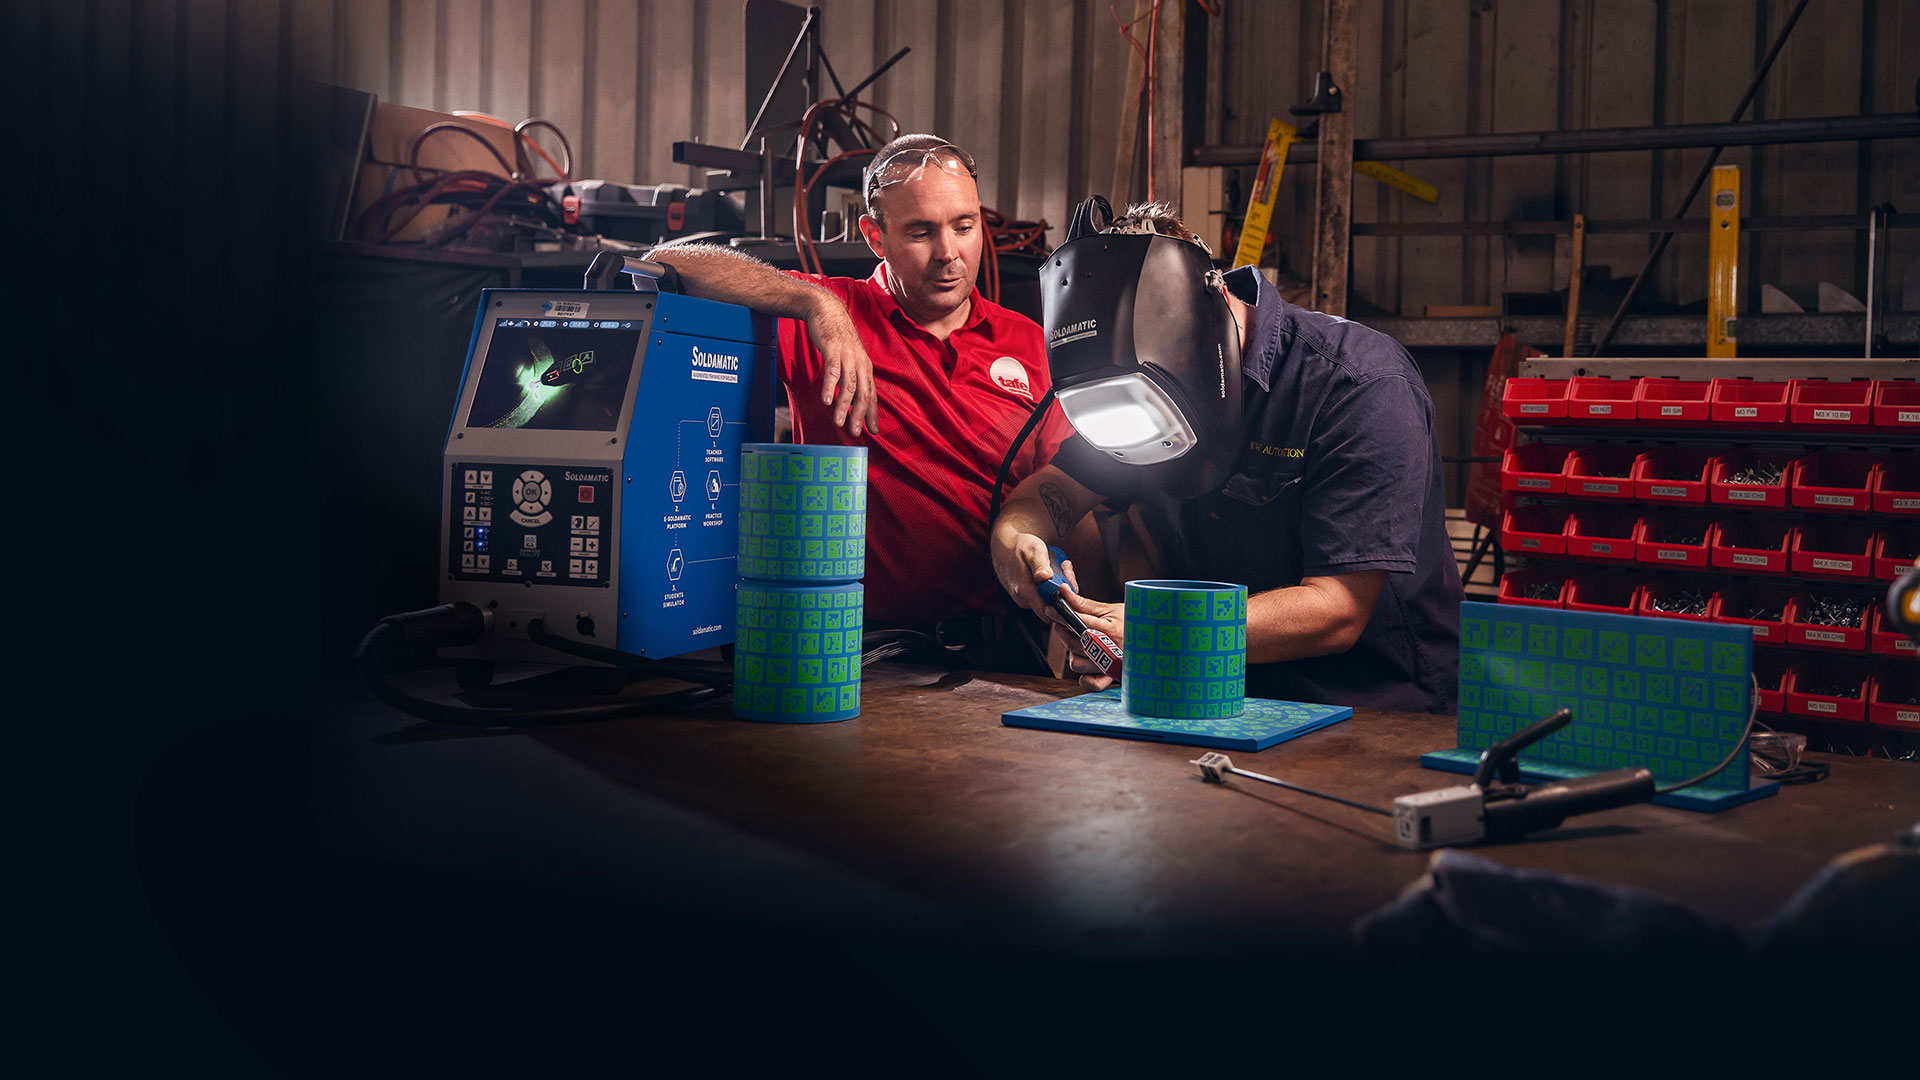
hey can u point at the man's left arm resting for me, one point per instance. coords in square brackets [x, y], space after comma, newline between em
[1320, 616]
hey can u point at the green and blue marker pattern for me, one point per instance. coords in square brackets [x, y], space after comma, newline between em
[1186, 651]
[1260, 719]
[796, 655]
[1670, 696]
[803, 512]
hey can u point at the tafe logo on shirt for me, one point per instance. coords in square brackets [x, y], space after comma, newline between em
[1010, 375]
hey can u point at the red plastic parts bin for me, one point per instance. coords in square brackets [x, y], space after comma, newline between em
[1895, 486]
[1735, 604]
[1751, 545]
[1673, 402]
[1769, 671]
[1610, 594]
[1535, 469]
[1819, 403]
[1895, 550]
[1602, 472]
[1601, 533]
[1515, 584]
[1721, 488]
[1885, 641]
[1673, 538]
[1896, 404]
[1890, 696]
[1850, 639]
[1802, 679]
[1834, 481]
[1842, 549]
[1743, 402]
[1602, 401]
[1533, 401]
[1672, 474]
[1534, 530]
[1651, 595]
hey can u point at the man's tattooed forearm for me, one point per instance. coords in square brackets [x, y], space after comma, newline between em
[1059, 507]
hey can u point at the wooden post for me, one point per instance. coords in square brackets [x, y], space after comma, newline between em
[1168, 152]
[1334, 181]
[1127, 148]
[1579, 264]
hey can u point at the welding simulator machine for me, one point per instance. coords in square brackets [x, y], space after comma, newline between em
[592, 471]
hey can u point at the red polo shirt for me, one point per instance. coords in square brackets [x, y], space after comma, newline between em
[948, 411]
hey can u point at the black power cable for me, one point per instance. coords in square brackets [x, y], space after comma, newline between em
[463, 624]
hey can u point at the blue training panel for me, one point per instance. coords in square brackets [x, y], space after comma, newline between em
[1264, 723]
[1671, 696]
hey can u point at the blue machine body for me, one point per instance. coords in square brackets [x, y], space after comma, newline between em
[593, 468]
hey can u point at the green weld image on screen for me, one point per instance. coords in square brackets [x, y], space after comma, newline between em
[1670, 696]
[797, 652]
[1186, 653]
[802, 518]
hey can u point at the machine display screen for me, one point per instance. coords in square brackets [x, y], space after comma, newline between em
[556, 374]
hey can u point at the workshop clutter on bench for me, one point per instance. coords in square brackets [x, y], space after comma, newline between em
[800, 605]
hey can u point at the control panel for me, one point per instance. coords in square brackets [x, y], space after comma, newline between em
[516, 522]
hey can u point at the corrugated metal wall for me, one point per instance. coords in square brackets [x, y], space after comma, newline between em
[1442, 67]
[1036, 87]
[1031, 87]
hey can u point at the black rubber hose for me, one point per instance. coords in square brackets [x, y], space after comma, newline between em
[463, 624]
[1006, 463]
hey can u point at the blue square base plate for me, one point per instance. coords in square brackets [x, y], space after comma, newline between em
[1265, 723]
[1701, 797]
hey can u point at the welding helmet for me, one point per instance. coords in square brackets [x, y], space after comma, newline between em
[1143, 351]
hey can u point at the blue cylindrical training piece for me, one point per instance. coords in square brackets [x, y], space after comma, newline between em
[796, 657]
[803, 513]
[1186, 649]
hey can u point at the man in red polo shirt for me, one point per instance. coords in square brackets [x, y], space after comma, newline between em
[934, 379]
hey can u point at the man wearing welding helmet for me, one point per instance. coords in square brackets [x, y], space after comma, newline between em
[933, 378]
[1254, 442]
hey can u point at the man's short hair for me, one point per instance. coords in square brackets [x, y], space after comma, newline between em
[1156, 217]
[892, 154]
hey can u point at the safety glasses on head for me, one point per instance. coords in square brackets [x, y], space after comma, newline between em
[910, 162]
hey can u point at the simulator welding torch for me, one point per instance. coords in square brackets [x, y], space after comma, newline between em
[1098, 647]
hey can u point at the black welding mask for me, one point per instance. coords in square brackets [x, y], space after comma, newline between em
[1144, 352]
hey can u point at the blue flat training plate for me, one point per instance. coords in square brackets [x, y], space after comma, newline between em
[1265, 723]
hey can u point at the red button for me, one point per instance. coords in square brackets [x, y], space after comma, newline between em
[586, 493]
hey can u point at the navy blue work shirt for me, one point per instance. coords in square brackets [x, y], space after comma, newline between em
[1340, 473]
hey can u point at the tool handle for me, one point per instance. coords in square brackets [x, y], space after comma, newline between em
[1548, 805]
[1101, 649]
[1509, 748]
[1049, 589]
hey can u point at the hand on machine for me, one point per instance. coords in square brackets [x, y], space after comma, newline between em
[1098, 647]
